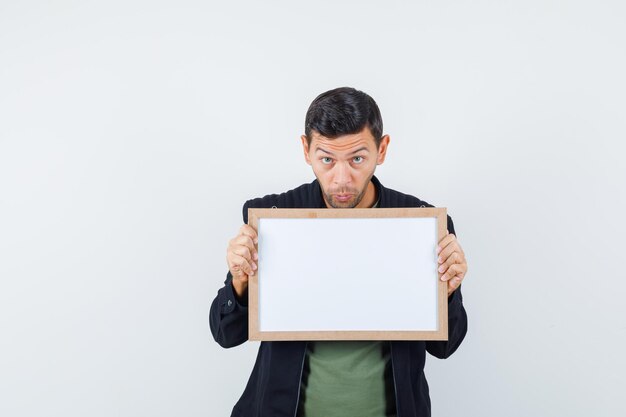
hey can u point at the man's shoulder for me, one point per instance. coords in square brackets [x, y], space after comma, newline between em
[394, 198]
[307, 195]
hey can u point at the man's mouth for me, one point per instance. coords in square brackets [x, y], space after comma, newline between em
[343, 197]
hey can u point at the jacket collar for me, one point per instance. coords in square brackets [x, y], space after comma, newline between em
[319, 200]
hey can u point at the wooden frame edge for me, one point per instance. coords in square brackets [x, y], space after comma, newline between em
[254, 332]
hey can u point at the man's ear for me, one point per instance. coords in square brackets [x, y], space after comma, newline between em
[382, 149]
[305, 148]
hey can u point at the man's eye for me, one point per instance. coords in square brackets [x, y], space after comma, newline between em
[326, 160]
[358, 159]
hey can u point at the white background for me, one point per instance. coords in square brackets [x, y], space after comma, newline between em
[131, 133]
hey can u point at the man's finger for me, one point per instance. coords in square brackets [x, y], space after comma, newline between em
[248, 230]
[243, 251]
[452, 259]
[243, 240]
[242, 265]
[445, 241]
[453, 284]
[449, 250]
[451, 272]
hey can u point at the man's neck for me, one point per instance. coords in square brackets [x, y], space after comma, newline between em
[369, 199]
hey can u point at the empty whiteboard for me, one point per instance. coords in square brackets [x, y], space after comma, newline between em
[347, 274]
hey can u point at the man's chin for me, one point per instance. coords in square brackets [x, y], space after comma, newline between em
[343, 204]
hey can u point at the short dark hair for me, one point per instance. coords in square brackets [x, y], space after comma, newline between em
[343, 111]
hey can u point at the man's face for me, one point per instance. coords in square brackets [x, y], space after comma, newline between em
[344, 166]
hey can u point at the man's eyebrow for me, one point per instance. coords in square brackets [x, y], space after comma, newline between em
[363, 148]
[317, 149]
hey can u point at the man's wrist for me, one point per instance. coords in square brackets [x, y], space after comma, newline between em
[240, 289]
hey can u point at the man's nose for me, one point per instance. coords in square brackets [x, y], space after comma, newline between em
[342, 174]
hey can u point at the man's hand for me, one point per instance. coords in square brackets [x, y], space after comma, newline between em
[241, 255]
[452, 262]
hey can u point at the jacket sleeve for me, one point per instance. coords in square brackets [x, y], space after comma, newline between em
[228, 315]
[457, 321]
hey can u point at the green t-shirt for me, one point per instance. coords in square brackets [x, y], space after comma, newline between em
[345, 379]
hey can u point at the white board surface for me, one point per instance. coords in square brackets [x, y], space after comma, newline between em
[347, 274]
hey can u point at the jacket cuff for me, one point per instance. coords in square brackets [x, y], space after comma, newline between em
[229, 297]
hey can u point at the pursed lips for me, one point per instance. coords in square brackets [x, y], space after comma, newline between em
[343, 196]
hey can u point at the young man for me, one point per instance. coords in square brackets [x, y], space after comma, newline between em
[343, 143]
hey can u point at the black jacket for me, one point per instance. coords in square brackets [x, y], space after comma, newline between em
[274, 385]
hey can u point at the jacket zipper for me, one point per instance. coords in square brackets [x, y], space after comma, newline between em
[295, 412]
[393, 374]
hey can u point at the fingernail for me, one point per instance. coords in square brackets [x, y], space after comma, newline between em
[256, 256]
[441, 268]
[438, 249]
[443, 277]
[440, 259]
[253, 265]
